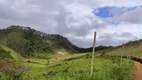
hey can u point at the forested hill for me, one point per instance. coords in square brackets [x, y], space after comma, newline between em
[27, 41]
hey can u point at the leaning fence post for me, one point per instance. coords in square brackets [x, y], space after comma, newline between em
[93, 52]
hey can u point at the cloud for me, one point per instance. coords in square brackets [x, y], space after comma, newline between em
[134, 17]
[74, 19]
[116, 3]
[116, 39]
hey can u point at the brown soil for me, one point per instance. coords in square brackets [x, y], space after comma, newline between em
[138, 72]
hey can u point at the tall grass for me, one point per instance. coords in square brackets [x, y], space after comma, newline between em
[11, 71]
[104, 69]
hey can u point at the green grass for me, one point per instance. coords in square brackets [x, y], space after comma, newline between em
[36, 70]
[4, 54]
[104, 69]
[15, 55]
[130, 49]
[12, 70]
[44, 55]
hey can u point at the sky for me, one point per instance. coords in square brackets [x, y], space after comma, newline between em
[115, 21]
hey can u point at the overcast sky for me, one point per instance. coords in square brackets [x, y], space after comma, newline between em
[115, 21]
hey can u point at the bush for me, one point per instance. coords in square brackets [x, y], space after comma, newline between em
[11, 71]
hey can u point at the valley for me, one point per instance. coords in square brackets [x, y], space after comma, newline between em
[27, 54]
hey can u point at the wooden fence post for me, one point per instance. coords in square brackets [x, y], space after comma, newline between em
[93, 52]
[122, 52]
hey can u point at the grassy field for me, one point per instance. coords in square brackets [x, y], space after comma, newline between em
[79, 69]
[130, 49]
[105, 68]
[71, 67]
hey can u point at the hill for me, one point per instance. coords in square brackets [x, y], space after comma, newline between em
[27, 41]
[30, 42]
[132, 48]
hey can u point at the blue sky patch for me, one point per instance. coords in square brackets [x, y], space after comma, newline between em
[105, 12]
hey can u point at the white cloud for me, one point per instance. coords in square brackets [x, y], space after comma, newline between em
[73, 18]
[134, 17]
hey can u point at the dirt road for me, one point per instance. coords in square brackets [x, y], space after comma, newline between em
[138, 72]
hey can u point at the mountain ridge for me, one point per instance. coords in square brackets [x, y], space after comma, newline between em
[28, 41]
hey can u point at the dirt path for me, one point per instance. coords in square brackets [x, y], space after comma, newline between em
[138, 72]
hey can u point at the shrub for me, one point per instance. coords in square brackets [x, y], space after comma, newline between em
[12, 71]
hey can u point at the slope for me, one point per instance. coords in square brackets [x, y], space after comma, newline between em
[10, 53]
[14, 54]
[32, 43]
[4, 54]
[27, 41]
[132, 48]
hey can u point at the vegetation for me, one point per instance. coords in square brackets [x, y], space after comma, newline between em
[132, 48]
[25, 41]
[11, 67]
[11, 70]
[12, 53]
[4, 54]
[29, 42]
[27, 54]
[105, 69]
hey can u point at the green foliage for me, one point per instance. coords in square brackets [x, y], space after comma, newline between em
[31, 43]
[4, 54]
[104, 69]
[12, 53]
[132, 48]
[25, 41]
[11, 71]
[120, 71]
